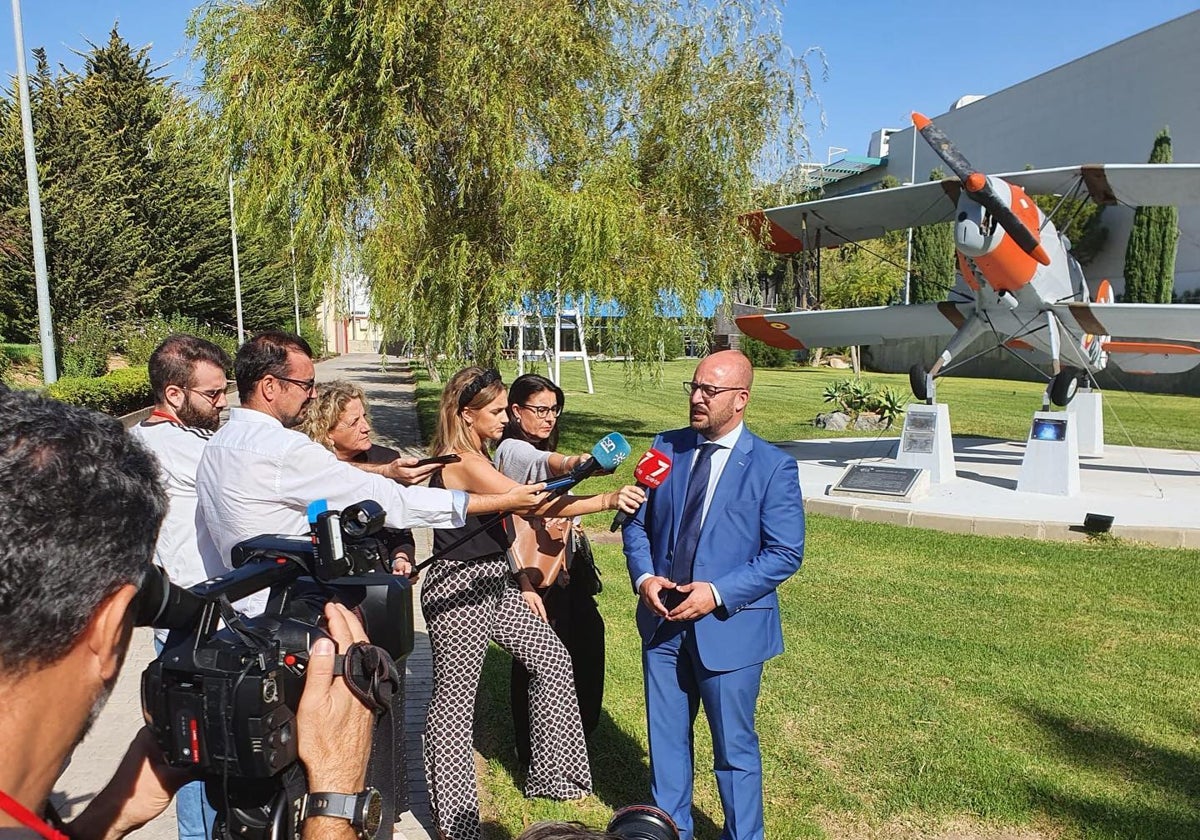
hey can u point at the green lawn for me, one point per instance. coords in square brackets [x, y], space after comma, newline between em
[934, 685]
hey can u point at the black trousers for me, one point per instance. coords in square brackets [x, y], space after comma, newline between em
[575, 618]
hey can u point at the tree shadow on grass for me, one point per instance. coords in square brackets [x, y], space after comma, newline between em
[1095, 747]
[620, 768]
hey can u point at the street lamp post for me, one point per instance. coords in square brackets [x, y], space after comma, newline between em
[237, 276]
[41, 276]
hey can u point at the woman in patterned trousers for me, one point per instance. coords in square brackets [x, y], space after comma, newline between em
[470, 596]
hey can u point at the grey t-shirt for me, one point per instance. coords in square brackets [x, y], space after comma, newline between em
[521, 461]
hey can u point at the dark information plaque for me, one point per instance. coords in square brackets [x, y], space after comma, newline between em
[877, 480]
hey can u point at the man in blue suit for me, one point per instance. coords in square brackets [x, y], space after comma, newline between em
[705, 555]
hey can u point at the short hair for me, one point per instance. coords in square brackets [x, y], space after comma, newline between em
[325, 409]
[174, 362]
[81, 503]
[265, 355]
[472, 387]
[522, 388]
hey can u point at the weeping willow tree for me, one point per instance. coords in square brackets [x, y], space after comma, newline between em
[467, 153]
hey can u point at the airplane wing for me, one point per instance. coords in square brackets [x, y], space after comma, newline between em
[1169, 321]
[830, 222]
[1159, 326]
[1131, 184]
[868, 325]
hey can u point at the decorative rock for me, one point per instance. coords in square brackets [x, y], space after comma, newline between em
[835, 421]
[869, 423]
[838, 363]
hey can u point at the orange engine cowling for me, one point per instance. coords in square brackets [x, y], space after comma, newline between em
[1000, 260]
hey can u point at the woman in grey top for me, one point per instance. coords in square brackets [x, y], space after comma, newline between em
[527, 454]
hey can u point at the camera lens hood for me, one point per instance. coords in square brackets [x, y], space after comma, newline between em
[363, 519]
[642, 822]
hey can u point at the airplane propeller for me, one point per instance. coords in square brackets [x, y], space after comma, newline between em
[980, 189]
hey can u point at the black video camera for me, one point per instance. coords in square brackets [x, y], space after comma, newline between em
[222, 696]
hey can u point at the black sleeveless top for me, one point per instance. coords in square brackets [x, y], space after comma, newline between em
[492, 540]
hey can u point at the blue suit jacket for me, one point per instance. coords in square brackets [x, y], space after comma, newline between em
[751, 541]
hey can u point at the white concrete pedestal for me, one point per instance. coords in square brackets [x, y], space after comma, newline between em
[1051, 462]
[925, 442]
[1087, 414]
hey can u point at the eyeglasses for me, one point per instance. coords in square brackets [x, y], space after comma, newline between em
[308, 385]
[708, 392]
[212, 396]
[541, 412]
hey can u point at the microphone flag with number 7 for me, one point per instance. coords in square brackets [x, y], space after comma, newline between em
[608, 454]
[649, 473]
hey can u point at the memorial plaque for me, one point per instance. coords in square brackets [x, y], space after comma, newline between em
[920, 443]
[920, 428]
[920, 421]
[870, 480]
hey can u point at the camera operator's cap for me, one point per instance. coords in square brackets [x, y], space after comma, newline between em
[315, 509]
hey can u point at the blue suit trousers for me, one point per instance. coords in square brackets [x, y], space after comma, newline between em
[676, 684]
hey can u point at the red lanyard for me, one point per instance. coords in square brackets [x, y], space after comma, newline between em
[163, 415]
[27, 818]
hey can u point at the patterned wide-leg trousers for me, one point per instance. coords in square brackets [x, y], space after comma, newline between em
[465, 605]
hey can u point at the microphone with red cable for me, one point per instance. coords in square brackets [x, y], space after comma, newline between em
[649, 474]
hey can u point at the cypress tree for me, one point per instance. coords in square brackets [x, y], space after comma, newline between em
[933, 260]
[136, 219]
[1150, 254]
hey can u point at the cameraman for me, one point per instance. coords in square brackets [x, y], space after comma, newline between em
[80, 508]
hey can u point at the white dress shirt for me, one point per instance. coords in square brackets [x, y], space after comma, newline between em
[256, 477]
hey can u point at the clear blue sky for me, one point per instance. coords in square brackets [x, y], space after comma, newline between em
[885, 58]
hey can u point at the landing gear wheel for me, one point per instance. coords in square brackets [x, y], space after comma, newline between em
[1063, 386]
[918, 380]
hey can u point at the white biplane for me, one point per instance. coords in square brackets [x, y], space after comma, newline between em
[1029, 292]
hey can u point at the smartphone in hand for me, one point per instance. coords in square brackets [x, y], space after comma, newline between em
[438, 459]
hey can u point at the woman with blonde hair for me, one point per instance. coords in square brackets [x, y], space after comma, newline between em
[470, 595]
[338, 419]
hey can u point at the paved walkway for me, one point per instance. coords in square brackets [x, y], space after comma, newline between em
[393, 411]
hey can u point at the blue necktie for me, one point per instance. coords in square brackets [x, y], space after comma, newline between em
[693, 513]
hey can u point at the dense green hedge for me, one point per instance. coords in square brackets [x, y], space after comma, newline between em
[117, 392]
[763, 355]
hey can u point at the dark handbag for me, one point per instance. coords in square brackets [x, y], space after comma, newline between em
[585, 574]
[540, 548]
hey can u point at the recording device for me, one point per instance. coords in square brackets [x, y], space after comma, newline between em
[649, 473]
[439, 459]
[642, 822]
[608, 454]
[222, 697]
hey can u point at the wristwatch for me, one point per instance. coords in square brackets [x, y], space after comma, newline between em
[362, 810]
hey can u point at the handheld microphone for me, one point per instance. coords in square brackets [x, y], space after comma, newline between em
[608, 454]
[649, 473]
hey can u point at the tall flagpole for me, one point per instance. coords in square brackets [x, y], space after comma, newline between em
[237, 276]
[295, 288]
[41, 276]
[912, 179]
